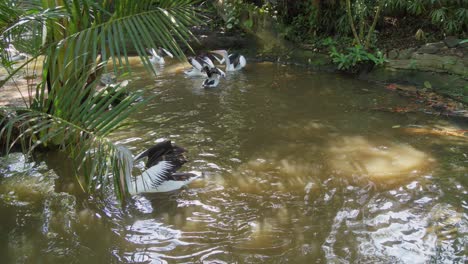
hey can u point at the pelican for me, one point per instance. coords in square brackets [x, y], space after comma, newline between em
[214, 74]
[234, 61]
[13, 54]
[108, 79]
[163, 160]
[117, 90]
[199, 63]
[158, 55]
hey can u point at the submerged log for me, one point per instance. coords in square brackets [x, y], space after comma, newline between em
[436, 132]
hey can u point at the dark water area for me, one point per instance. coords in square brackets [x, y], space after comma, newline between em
[299, 167]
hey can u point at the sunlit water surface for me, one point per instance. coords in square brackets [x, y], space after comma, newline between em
[299, 167]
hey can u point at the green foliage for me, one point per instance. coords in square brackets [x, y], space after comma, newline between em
[415, 7]
[327, 42]
[232, 10]
[301, 18]
[249, 23]
[354, 56]
[306, 22]
[342, 25]
[236, 11]
[450, 16]
[427, 85]
[302, 25]
[451, 20]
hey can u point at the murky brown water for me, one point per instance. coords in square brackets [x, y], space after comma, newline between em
[299, 168]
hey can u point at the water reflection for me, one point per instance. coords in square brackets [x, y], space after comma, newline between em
[398, 225]
[298, 168]
[382, 162]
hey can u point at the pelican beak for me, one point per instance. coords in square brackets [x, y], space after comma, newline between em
[219, 52]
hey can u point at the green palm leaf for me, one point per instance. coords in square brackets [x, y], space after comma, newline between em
[79, 39]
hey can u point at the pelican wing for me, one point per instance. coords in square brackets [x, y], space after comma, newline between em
[233, 56]
[195, 63]
[12, 50]
[153, 52]
[207, 61]
[164, 151]
[156, 175]
[155, 153]
[194, 72]
[242, 61]
[234, 59]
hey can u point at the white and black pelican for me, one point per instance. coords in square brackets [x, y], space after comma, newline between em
[199, 63]
[158, 55]
[233, 61]
[214, 74]
[108, 79]
[163, 160]
[14, 54]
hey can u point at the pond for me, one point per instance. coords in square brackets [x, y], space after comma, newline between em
[298, 167]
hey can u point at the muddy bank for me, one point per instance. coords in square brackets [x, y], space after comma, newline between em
[441, 66]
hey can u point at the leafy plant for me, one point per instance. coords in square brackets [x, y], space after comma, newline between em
[377, 59]
[342, 60]
[232, 11]
[361, 9]
[235, 11]
[354, 56]
[328, 42]
[361, 17]
[450, 16]
[75, 40]
[416, 7]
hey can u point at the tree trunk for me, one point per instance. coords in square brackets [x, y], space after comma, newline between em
[374, 23]
[351, 21]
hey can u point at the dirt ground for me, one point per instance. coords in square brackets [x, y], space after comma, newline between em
[16, 93]
[400, 33]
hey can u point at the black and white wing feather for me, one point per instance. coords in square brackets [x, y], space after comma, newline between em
[153, 177]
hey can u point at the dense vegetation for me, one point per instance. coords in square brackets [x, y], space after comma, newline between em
[355, 30]
[305, 20]
[448, 17]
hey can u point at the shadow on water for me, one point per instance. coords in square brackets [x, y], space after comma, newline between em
[299, 167]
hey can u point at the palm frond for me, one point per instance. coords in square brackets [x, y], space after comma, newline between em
[145, 24]
[79, 39]
[82, 132]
